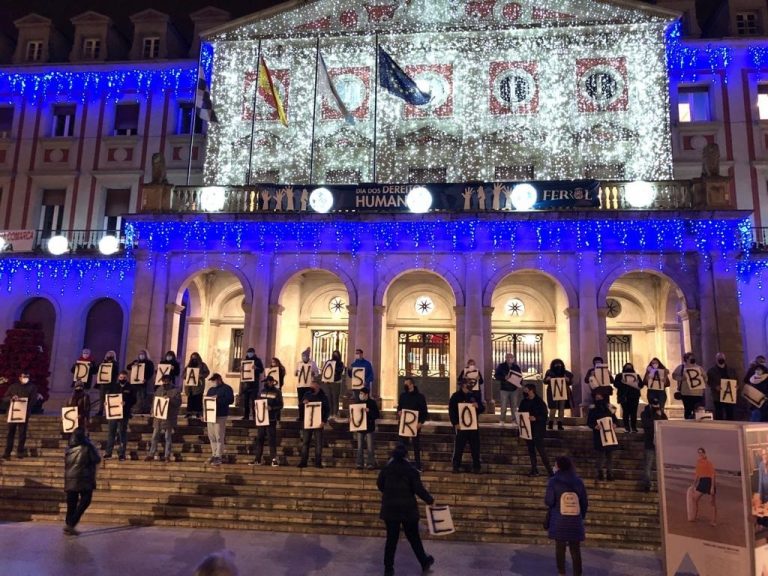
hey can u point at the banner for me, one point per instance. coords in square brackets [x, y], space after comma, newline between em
[209, 409]
[328, 372]
[104, 374]
[515, 378]
[81, 371]
[304, 374]
[607, 432]
[728, 391]
[358, 378]
[358, 418]
[408, 426]
[559, 387]
[17, 411]
[439, 520]
[163, 369]
[694, 381]
[467, 416]
[631, 380]
[68, 419]
[753, 395]
[657, 378]
[19, 240]
[601, 376]
[191, 376]
[248, 371]
[273, 371]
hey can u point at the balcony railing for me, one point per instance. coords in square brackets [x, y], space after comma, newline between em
[77, 241]
[760, 240]
[664, 195]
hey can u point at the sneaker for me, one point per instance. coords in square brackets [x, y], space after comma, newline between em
[275, 463]
[216, 462]
[533, 473]
[20, 456]
[121, 458]
[319, 465]
[70, 531]
[370, 467]
[358, 467]
[256, 463]
[427, 565]
[211, 460]
[560, 426]
[107, 456]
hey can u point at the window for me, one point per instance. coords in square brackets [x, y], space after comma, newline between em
[693, 104]
[64, 119]
[762, 101]
[747, 24]
[6, 121]
[116, 203]
[34, 51]
[151, 47]
[126, 119]
[184, 119]
[52, 212]
[236, 349]
[91, 48]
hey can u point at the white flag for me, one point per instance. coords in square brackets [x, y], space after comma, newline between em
[326, 88]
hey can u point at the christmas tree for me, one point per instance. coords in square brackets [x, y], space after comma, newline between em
[24, 350]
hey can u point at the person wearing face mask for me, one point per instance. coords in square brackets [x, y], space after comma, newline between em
[85, 356]
[217, 429]
[274, 397]
[361, 362]
[170, 358]
[119, 427]
[23, 388]
[412, 399]
[629, 395]
[606, 390]
[537, 411]
[315, 394]
[465, 394]
[601, 410]
[82, 402]
[691, 392]
[333, 389]
[759, 380]
[166, 427]
[275, 363]
[557, 407]
[251, 387]
[195, 390]
[507, 391]
[720, 371]
[109, 368]
[306, 363]
[661, 395]
[145, 389]
[651, 413]
[365, 439]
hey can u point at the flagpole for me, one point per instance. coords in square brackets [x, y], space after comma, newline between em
[375, 102]
[194, 112]
[314, 115]
[253, 111]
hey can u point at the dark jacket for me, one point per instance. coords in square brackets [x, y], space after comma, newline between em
[175, 368]
[566, 528]
[460, 396]
[606, 390]
[28, 391]
[82, 402]
[80, 464]
[501, 373]
[626, 393]
[648, 418]
[536, 407]
[373, 413]
[414, 401]
[399, 483]
[597, 412]
[224, 397]
[274, 398]
[716, 373]
[174, 404]
[319, 396]
[338, 373]
[129, 396]
[204, 373]
[548, 375]
[258, 370]
[362, 363]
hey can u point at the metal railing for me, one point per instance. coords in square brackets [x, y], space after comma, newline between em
[663, 195]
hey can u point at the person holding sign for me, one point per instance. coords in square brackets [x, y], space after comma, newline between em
[724, 393]
[650, 414]
[313, 414]
[399, 484]
[82, 402]
[414, 401]
[275, 363]
[537, 412]
[365, 438]
[566, 499]
[84, 369]
[558, 381]
[508, 390]
[251, 369]
[471, 372]
[22, 389]
[194, 384]
[106, 374]
[599, 379]
[142, 371]
[331, 377]
[603, 435]
[464, 407]
[755, 392]
[165, 416]
[628, 384]
[656, 380]
[703, 483]
[80, 463]
[217, 427]
[306, 372]
[274, 397]
[691, 382]
[119, 426]
[169, 365]
[361, 362]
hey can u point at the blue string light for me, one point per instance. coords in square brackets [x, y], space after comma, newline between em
[87, 273]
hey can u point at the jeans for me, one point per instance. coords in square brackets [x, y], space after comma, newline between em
[250, 392]
[416, 440]
[689, 405]
[333, 391]
[141, 398]
[411, 529]
[537, 445]
[559, 410]
[216, 434]
[509, 398]
[306, 436]
[117, 428]
[156, 432]
[462, 437]
[365, 438]
[575, 556]
[22, 428]
[102, 398]
[77, 504]
[258, 445]
[650, 458]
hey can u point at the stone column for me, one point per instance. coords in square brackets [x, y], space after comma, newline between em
[256, 325]
[727, 316]
[486, 360]
[351, 331]
[707, 345]
[590, 335]
[148, 325]
[691, 320]
[386, 384]
[578, 369]
[274, 312]
[366, 289]
[461, 331]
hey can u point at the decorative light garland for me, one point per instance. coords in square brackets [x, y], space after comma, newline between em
[87, 273]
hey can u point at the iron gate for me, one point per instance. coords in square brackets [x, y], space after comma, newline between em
[619, 351]
[425, 356]
[324, 342]
[527, 349]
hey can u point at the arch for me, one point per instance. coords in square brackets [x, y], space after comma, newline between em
[540, 301]
[502, 273]
[104, 328]
[636, 296]
[415, 290]
[620, 270]
[283, 277]
[177, 290]
[321, 295]
[40, 310]
[392, 274]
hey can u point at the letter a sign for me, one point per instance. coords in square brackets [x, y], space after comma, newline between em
[728, 391]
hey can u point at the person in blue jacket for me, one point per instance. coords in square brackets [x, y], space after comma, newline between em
[566, 499]
[217, 429]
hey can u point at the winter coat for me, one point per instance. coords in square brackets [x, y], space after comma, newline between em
[174, 404]
[274, 398]
[319, 396]
[149, 372]
[648, 419]
[566, 528]
[363, 363]
[373, 414]
[414, 401]
[501, 373]
[399, 483]
[224, 397]
[82, 402]
[627, 393]
[80, 464]
[200, 386]
[716, 373]
[535, 407]
[28, 391]
[597, 412]
[548, 375]
[459, 397]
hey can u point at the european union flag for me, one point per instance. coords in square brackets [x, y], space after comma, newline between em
[396, 82]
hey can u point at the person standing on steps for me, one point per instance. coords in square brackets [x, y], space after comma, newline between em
[412, 399]
[305, 364]
[721, 371]
[365, 440]
[653, 366]
[218, 428]
[145, 389]
[80, 463]
[601, 410]
[195, 388]
[108, 368]
[166, 427]
[274, 397]
[361, 362]
[509, 394]
[628, 384]
[566, 498]
[465, 394]
[691, 381]
[119, 427]
[399, 483]
[251, 387]
[557, 407]
[22, 388]
[315, 394]
[82, 401]
[537, 410]
[651, 413]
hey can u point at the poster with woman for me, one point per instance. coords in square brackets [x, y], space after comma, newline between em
[756, 439]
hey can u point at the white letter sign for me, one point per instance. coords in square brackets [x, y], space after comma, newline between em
[601, 376]
[104, 375]
[559, 389]
[656, 378]
[329, 371]
[358, 378]
[524, 425]
[69, 419]
[515, 378]
[753, 395]
[160, 407]
[81, 372]
[137, 373]
[607, 432]
[261, 412]
[113, 406]
[693, 381]
[408, 425]
[471, 374]
[247, 371]
[273, 371]
[17, 411]
[162, 370]
[305, 373]
[209, 409]
[467, 416]
[439, 520]
[728, 390]
[191, 376]
[313, 415]
[630, 379]
[358, 418]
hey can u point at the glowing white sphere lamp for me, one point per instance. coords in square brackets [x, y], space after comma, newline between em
[419, 200]
[524, 196]
[109, 245]
[4, 244]
[58, 245]
[639, 194]
[213, 198]
[321, 200]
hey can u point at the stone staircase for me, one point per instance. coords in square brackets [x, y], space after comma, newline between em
[501, 505]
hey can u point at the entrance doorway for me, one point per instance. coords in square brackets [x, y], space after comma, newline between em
[425, 356]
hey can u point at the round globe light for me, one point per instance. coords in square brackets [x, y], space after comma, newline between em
[419, 200]
[58, 245]
[109, 245]
[321, 200]
[213, 198]
[639, 194]
[524, 196]
[4, 244]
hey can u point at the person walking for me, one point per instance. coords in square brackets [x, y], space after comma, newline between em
[557, 407]
[399, 483]
[314, 394]
[80, 462]
[651, 413]
[218, 428]
[250, 386]
[119, 426]
[601, 410]
[535, 407]
[22, 388]
[566, 499]
[274, 397]
[628, 384]
[507, 391]
[195, 388]
[465, 394]
[365, 440]
[412, 399]
[166, 427]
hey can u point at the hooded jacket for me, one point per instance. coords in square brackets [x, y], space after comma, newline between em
[80, 462]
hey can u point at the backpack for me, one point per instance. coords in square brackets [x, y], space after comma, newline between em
[569, 504]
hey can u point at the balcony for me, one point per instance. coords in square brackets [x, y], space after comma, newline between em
[82, 242]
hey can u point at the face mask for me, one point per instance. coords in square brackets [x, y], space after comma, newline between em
[142, 357]
[406, 389]
[721, 362]
[470, 365]
[169, 357]
[24, 380]
[691, 360]
[249, 355]
[86, 355]
[122, 380]
[654, 365]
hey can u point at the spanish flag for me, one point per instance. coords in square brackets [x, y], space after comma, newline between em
[269, 92]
